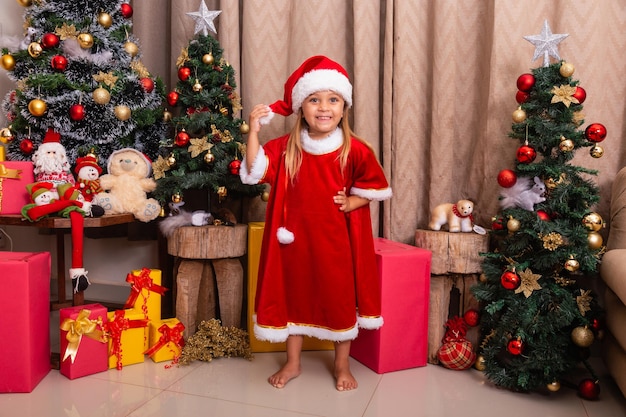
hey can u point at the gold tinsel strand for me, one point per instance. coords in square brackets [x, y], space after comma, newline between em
[212, 340]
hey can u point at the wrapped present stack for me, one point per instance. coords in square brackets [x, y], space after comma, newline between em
[14, 175]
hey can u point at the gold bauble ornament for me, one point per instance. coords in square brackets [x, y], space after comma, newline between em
[519, 115]
[566, 145]
[8, 62]
[513, 225]
[131, 48]
[572, 264]
[596, 151]
[122, 112]
[197, 87]
[167, 116]
[6, 136]
[101, 95]
[554, 386]
[209, 157]
[224, 111]
[105, 20]
[594, 240]
[25, 3]
[208, 58]
[177, 198]
[37, 107]
[162, 212]
[482, 277]
[171, 160]
[480, 363]
[567, 69]
[265, 196]
[582, 336]
[35, 49]
[244, 128]
[85, 40]
[593, 221]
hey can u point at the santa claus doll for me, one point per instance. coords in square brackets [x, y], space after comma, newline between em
[50, 161]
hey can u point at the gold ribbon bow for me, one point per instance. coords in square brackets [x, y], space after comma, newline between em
[76, 329]
[9, 172]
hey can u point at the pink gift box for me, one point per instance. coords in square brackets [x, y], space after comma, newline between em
[25, 320]
[91, 353]
[14, 176]
[402, 342]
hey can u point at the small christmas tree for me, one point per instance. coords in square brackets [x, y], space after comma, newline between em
[78, 73]
[537, 320]
[205, 149]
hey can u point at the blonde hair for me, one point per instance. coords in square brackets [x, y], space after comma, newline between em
[293, 153]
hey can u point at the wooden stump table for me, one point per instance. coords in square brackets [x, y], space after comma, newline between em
[455, 267]
[208, 259]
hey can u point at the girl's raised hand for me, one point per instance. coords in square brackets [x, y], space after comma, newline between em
[258, 112]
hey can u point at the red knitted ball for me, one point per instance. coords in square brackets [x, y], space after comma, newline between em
[457, 355]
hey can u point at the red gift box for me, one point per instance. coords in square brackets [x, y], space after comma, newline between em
[14, 176]
[402, 341]
[84, 350]
[25, 323]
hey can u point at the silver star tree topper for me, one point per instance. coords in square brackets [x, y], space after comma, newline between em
[546, 43]
[204, 19]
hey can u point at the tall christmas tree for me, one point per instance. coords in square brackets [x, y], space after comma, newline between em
[538, 320]
[79, 74]
[205, 147]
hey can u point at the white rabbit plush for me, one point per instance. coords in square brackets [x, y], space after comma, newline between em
[525, 193]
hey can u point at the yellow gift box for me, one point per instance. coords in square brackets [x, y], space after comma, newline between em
[126, 333]
[145, 295]
[166, 340]
[255, 239]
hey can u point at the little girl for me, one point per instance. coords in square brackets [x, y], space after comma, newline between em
[317, 274]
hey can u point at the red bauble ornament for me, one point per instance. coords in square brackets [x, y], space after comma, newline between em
[184, 73]
[147, 84]
[507, 178]
[595, 132]
[59, 63]
[497, 223]
[49, 41]
[234, 167]
[525, 82]
[127, 10]
[26, 146]
[543, 215]
[510, 280]
[580, 94]
[521, 97]
[182, 138]
[526, 154]
[515, 347]
[172, 98]
[471, 317]
[589, 389]
[77, 112]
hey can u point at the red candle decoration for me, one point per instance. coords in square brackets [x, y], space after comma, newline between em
[172, 98]
[77, 112]
[507, 178]
[525, 82]
[510, 280]
[49, 41]
[580, 94]
[595, 132]
[127, 10]
[147, 84]
[184, 73]
[526, 154]
[59, 63]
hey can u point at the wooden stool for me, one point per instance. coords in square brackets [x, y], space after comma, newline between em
[456, 264]
[208, 258]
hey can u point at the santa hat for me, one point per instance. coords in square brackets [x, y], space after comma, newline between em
[142, 155]
[38, 188]
[317, 73]
[52, 136]
[87, 161]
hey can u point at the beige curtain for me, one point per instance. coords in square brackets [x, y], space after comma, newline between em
[434, 81]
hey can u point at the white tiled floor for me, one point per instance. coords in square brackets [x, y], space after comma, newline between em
[236, 387]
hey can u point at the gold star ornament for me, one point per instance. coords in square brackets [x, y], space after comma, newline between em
[529, 283]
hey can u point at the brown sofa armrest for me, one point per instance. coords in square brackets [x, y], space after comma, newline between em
[613, 272]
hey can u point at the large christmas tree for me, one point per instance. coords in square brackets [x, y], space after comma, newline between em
[538, 320]
[205, 145]
[79, 74]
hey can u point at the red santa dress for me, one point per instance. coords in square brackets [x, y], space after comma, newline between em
[325, 282]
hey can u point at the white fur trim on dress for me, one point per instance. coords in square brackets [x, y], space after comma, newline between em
[284, 235]
[320, 80]
[259, 166]
[370, 323]
[372, 194]
[278, 335]
[322, 146]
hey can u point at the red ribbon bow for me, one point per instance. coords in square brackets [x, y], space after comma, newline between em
[138, 283]
[169, 334]
[456, 329]
[114, 328]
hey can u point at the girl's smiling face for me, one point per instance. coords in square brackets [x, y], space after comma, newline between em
[323, 111]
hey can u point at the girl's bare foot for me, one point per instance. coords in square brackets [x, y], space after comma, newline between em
[285, 374]
[345, 381]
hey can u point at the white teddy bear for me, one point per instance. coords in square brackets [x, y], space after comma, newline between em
[127, 182]
[458, 216]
